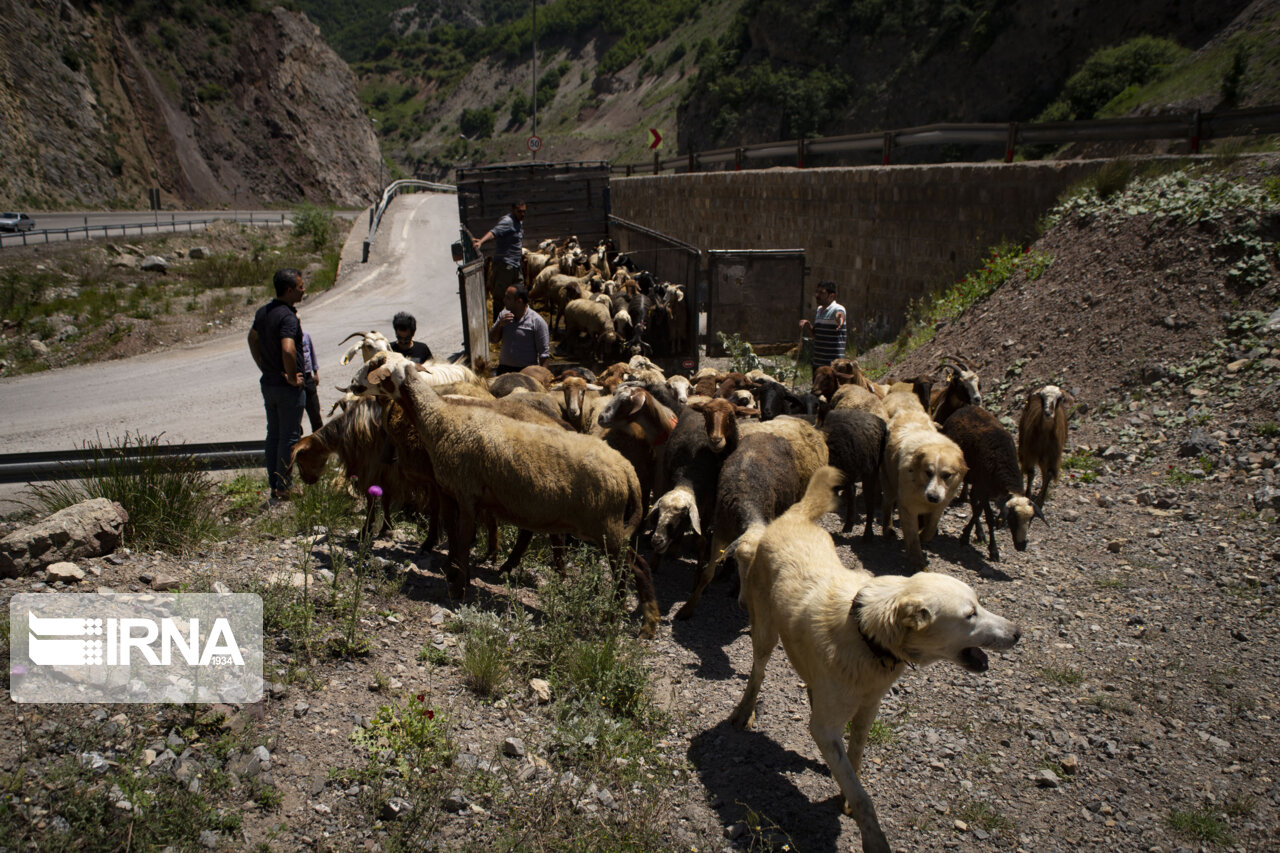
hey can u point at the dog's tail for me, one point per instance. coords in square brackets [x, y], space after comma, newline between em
[743, 550]
[820, 497]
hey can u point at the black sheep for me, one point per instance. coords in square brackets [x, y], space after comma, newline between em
[774, 398]
[691, 467]
[855, 440]
[993, 474]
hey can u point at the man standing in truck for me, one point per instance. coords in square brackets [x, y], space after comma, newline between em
[508, 239]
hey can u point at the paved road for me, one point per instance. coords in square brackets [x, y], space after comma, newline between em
[208, 390]
[53, 227]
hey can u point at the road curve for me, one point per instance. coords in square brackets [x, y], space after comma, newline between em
[207, 390]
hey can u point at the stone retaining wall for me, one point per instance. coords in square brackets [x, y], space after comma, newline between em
[886, 235]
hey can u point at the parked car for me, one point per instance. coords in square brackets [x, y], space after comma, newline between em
[16, 222]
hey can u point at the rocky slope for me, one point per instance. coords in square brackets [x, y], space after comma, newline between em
[214, 106]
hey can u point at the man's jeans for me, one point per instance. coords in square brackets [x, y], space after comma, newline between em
[285, 405]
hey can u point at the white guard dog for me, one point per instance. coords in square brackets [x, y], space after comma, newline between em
[850, 635]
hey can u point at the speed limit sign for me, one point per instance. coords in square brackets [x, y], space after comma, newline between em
[534, 143]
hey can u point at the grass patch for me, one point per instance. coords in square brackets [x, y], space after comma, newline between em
[171, 503]
[1267, 429]
[1199, 824]
[881, 732]
[949, 303]
[985, 816]
[1082, 465]
[1064, 676]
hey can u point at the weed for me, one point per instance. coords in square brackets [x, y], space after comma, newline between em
[1200, 824]
[313, 225]
[743, 357]
[1177, 477]
[984, 816]
[485, 650]
[1064, 676]
[1267, 429]
[881, 732]
[170, 501]
[1117, 581]
[434, 656]
[1083, 465]
[1240, 805]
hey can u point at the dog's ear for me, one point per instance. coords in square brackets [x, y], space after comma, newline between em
[913, 614]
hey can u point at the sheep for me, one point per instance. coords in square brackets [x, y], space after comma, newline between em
[501, 386]
[1042, 436]
[961, 389]
[581, 402]
[721, 418]
[543, 376]
[691, 469]
[773, 399]
[759, 480]
[585, 317]
[538, 478]
[357, 438]
[706, 381]
[545, 402]
[856, 397]
[855, 442]
[370, 342]
[681, 317]
[993, 475]
[734, 382]
[635, 424]
[682, 388]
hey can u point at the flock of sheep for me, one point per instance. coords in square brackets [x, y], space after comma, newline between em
[611, 309]
[716, 456]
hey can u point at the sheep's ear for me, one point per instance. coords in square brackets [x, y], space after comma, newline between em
[591, 386]
[695, 521]
[379, 374]
[744, 412]
[913, 614]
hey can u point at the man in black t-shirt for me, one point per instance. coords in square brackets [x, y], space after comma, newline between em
[275, 341]
[405, 326]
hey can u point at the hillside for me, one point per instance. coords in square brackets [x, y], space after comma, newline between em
[215, 104]
[450, 83]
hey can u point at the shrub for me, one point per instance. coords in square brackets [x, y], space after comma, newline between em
[314, 225]
[476, 124]
[1110, 71]
[171, 503]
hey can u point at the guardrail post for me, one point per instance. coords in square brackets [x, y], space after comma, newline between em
[1195, 132]
[364, 254]
[1011, 142]
[657, 164]
[888, 147]
[693, 162]
[800, 146]
[737, 160]
[628, 170]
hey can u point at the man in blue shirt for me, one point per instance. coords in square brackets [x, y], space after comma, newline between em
[311, 382]
[275, 341]
[508, 238]
[523, 333]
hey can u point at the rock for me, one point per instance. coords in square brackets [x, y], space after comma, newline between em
[456, 801]
[1045, 778]
[209, 839]
[1070, 764]
[513, 747]
[221, 588]
[301, 709]
[1199, 443]
[88, 529]
[128, 262]
[1115, 545]
[1153, 373]
[65, 572]
[1267, 497]
[1114, 452]
[198, 253]
[541, 689]
[1273, 322]
[321, 808]
[1237, 365]
[165, 583]
[155, 263]
[396, 808]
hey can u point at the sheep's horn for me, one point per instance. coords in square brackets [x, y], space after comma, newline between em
[1039, 513]
[352, 335]
[960, 361]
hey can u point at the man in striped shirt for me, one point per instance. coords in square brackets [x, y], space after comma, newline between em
[828, 327]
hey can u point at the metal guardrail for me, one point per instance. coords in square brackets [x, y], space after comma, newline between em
[43, 466]
[25, 238]
[392, 190]
[1194, 126]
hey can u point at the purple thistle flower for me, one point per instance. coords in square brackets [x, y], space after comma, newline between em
[375, 491]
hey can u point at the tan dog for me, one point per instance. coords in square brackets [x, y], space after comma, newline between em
[850, 635]
[922, 473]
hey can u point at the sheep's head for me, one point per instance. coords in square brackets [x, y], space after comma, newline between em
[1049, 396]
[371, 343]
[672, 509]
[384, 374]
[1018, 512]
[962, 379]
[682, 386]
[721, 418]
[627, 402]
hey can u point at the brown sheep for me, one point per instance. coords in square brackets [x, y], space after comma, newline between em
[1042, 436]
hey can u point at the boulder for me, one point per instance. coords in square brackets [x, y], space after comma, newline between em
[1199, 443]
[89, 529]
[65, 572]
[155, 263]
[198, 252]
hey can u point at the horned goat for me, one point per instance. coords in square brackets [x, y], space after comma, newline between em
[1042, 436]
